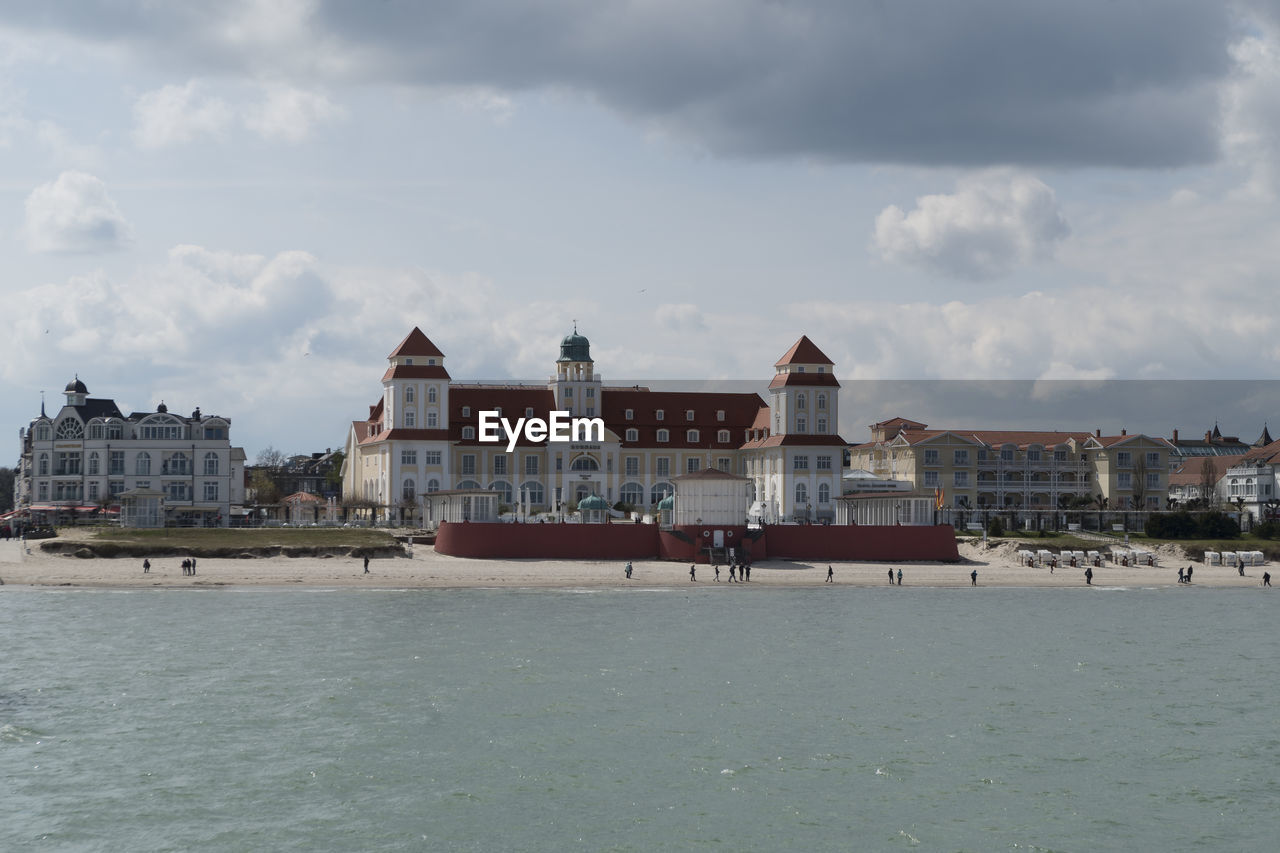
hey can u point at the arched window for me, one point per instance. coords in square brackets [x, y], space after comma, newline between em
[42, 432]
[824, 493]
[431, 393]
[408, 394]
[408, 491]
[802, 494]
[633, 435]
[70, 428]
[632, 493]
[468, 432]
[468, 484]
[44, 465]
[93, 463]
[822, 401]
[692, 436]
[503, 488]
[95, 430]
[584, 463]
[143, 464]
[801, 400]
[664, 436]
[532, 491]
[178, 463]
[722, 437]
[659, 491]
[211, 464]
[433, 485]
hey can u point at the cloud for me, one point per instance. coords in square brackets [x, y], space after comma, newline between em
[992, 223]
[988, 82]
[74, 215]
[683, 317]
[173, 115]
[288, 114]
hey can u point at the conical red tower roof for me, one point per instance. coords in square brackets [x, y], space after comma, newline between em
[416, 344]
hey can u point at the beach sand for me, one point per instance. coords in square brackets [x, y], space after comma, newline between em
[997, 566]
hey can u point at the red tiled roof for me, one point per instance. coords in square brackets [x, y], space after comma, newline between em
[803, 351]
[415, 371]
[824, 380]
[413, 434]
[740, 413]
[1268, 453]
[797, 440]
[513, 400]
[303, 497]
[898, 421]
[415, 344]
[1191, 472]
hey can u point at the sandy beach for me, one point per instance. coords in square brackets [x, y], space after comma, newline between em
[996, 566]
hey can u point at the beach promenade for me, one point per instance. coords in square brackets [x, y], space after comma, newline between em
[427, 569]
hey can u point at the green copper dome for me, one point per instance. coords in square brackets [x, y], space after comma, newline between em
[575, 347]
[669, 502]
[593, 502]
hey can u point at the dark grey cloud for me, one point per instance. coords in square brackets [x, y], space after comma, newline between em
[1093, 82]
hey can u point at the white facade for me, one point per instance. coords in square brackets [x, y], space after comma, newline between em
[711, 497]
[83, 458]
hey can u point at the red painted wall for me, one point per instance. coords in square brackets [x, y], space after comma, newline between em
[548, 541]
[645, 541]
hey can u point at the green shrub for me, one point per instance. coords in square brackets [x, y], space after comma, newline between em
[994, 527]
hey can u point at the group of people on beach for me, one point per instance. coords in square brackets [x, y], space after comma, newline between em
[188, 566]
[738, 572]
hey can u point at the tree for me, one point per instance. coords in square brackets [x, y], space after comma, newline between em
[269, 457]
[263, 488]
[1208, 483]
[334, 478]
[7, 477]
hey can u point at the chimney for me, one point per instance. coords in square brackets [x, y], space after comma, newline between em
[1208, 435]
[1123, 431]
[1098, 433]
[1175, 435]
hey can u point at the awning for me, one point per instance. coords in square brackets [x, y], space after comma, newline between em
[86, 508]
[42, 508]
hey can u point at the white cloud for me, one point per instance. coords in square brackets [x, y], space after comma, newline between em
[173, 115]
[995, 221]
[73, 214]
[682, 317]
[1251, 110]
[288, 114]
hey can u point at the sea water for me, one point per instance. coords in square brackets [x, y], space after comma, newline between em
[726, 718]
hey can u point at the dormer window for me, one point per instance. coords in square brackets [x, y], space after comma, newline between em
[719, 414]
[630, 414]
[692, 436]
[408, 361]
[528, 411]
[688, 414]
[723, 436]
[664, 436]
[822, 370]
[466, 411]
[431, 361]
[800, 369]
[468, 433]
[659, 415]
[633, 435]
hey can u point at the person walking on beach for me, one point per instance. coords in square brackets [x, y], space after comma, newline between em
[717, 570]
[193, 565]
[366, 564]
[693, 578]
[731, 571]
[1266, 578]
[1181, 576]
[628, 570]
[1088, 576]
[1188, 574]
[747, 569]
[891, 577]
[973, 578]
[146, 567]
[899, 577]
[831, 575]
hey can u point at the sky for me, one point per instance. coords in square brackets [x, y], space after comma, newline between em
[245, 206]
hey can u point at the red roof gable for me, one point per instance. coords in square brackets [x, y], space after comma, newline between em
[415, 371]
[416, 343]
[803, 351]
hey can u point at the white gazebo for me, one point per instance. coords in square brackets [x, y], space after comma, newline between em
[453, 505]
[713, 497]
[142, 508]
[886, 509]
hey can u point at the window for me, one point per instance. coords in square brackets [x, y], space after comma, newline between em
[631, 467]
[161, 431]
[433, 420]
[408, 457]
[42, 434]
[559, 463]
[802, 423]
[1059, 456]
[1124, 459]
[822, 402]
[960, 457]
[44, 465]
[662, 466]
[723, 463]
[692, 436]
[659, 415]
[115, 463]
[215, 432]
[70, 428]
[931, 457]
[688, 414]
[633, 434]
[211, 464]
[468, 433]
[503, 488]
[431, 457]
[632, 493]
[143, 464]
[44, 490]
[466, 411]
[658, 492]
[719, 414]
[591, 393]
[408, 489]
[802, 494]
[95, 431]
[962, 479]
[178, 490]
[211, 490]
[802, 401]
[1153, 480]
[824, 493]
[824, 463]
[1124, 480]
[93, 491]
[500, 464]
[410, 418]
[584, 463]
[568, 392]
[629, 414]
[115, 487]
[178, 463]
[1006, 454]
[1153, 459]
[431, 393]
[1033, 455]
[468, 464]
[531, 466]
[800, 463]
[692, 465]
[822, 426]
[408, 395]
[433, 485]
[532, 491]
[722, 437]
[93, 463]
[528, 411]
[664, 436]
[931, 479]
